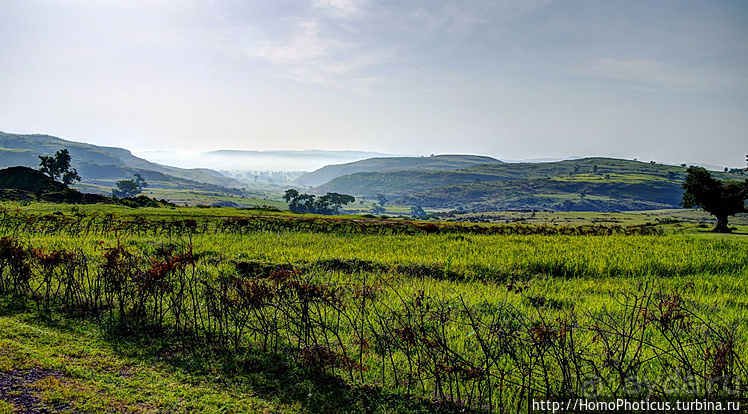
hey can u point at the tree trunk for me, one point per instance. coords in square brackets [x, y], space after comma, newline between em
[722, 224]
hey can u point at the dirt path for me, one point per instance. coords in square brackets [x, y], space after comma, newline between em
[16, 388]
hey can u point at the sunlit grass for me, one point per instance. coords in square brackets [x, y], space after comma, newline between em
[93, 374]
[536, 279]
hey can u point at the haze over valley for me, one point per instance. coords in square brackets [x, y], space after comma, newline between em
[468, 183]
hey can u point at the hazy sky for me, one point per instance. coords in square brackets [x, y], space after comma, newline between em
[657, 80]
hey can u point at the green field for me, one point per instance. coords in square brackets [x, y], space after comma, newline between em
[114, 309]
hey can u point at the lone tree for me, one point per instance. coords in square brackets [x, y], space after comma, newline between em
[417, 212]
[140, 181]
[382, 199]
[720, 199]
[126, 188]
[57, 167]
[130, 188]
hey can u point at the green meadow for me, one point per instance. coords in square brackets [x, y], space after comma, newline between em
[113, 309]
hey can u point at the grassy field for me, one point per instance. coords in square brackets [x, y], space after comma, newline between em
[67, 364]
[113, 309]
[196, 197]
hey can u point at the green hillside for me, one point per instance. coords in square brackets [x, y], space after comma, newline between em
[549, 194]
[101, 167]
[398, 183]
[432, 163]
[600, 184]
[27, 179]
[26, 184]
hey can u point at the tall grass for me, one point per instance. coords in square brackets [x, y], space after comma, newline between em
[488, 322]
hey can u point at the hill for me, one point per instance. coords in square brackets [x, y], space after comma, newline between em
[384, 164]
[26, 184]
[28, 179]
[588, 184]
[549, 194]
[103, 166]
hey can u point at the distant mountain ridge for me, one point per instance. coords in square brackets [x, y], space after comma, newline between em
[444, 162]
[106, 165]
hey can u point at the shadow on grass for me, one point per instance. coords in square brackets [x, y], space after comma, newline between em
[270, 376]
[731, 233]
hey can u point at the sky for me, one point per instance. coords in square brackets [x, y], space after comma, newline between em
[661, 80]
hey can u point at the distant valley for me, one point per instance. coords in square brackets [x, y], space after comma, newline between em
[241, 162]
[438, 182]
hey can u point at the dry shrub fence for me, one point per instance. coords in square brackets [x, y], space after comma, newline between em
[14, 222]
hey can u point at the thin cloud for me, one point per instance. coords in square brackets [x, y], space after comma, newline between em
[306, 44]
[663, 76]
[314, 53]
[344, 9]
[343, 43]
[459, 18]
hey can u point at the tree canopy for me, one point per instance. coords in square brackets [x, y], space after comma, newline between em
[721, 199]
[129, 188]
[57, 167]
[329, 203]
[140, 181]
[382, 199]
